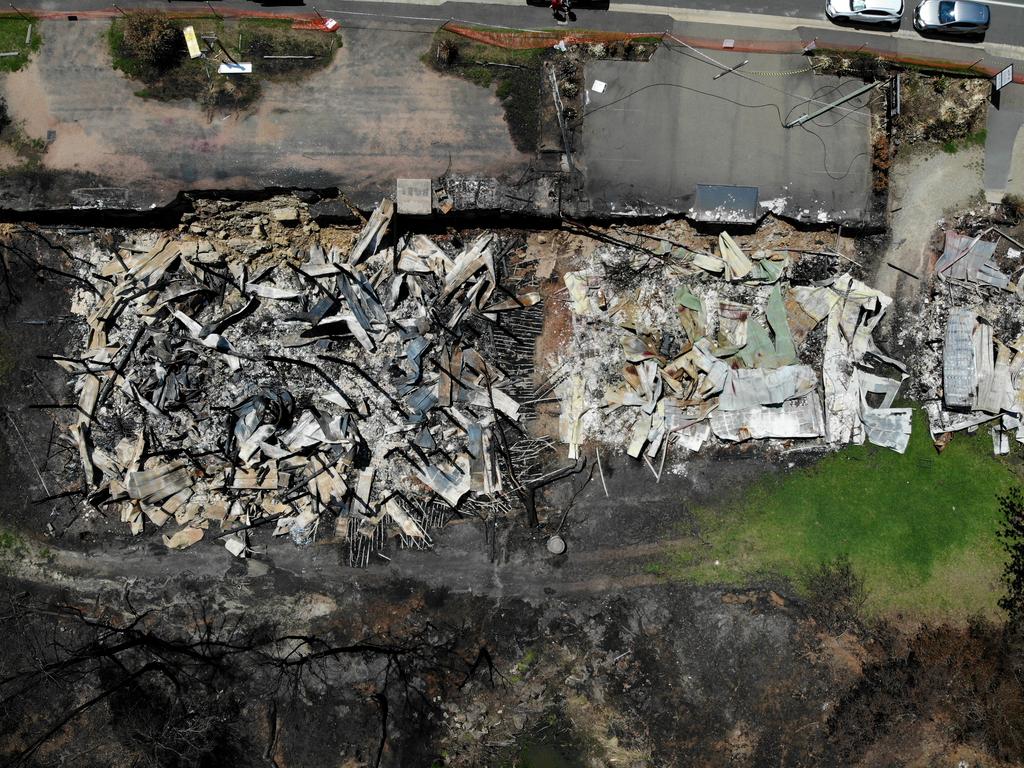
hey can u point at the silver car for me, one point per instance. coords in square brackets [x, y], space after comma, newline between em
[865, 11]
[951, 17]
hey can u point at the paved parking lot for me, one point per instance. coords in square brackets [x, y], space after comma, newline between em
[375, 114]
[662, 127]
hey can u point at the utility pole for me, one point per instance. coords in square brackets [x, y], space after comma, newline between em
[859, 92]
[26, 18]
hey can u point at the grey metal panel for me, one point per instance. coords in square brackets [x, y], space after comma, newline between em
[958, 365]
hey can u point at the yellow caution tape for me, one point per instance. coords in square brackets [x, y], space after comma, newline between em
[781, 74]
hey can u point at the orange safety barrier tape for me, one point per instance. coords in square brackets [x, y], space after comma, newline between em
[526, 40]
[314, 25]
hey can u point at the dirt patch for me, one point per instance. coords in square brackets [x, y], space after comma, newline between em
[924, 187]
[24, 91]
[291, 138]
[35, 321]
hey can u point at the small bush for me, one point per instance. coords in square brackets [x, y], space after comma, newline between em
[1011, 537]
[260, 43]
[881, 160]
[1013, 206]
[446, 53]
[151, 39]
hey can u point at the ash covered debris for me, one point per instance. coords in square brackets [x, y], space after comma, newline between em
[685, 346]
[349, 389]
[971, 338]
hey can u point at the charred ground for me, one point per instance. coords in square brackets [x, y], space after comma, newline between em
[486, 651]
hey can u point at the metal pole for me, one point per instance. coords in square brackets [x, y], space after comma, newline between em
[213, 11]
[232, 58]
[731, 69]
[317, 12]
[828, 107]
[117, 7]
[26, 18]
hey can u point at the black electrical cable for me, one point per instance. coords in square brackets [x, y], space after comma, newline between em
[681, 51]
[814, 98]
[683, 88]
[824, 162]
[782, 121]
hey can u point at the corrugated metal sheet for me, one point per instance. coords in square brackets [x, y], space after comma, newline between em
[958, 366]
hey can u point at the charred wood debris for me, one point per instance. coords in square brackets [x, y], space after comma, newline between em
[368, 387]
[373, 390]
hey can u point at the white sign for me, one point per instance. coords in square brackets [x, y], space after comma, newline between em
[1004, 78]
[599, 86]
[241, 68]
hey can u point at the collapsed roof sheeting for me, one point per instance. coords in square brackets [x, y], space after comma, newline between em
[958, 368]
[888, 427]
[800, 418]
[354, 386]
[710, 346]
[982, 380]
[970, 259]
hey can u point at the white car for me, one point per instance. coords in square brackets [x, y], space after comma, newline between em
[865, 11]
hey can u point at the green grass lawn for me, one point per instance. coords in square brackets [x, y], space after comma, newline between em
[920, 528]
[13, 33]
[976, 139]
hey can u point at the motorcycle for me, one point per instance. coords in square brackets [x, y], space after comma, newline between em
[562, 9]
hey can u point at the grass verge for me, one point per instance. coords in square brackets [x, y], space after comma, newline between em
[516, 76]
[14, 37]
[976, 139]
[920, 528]
[172, 76]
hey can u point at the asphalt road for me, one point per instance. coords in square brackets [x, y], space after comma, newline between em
[1007, 15]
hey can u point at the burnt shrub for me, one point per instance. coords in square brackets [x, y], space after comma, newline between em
[966, 678]
[835, 594]
[445, 53]
[151, 40]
